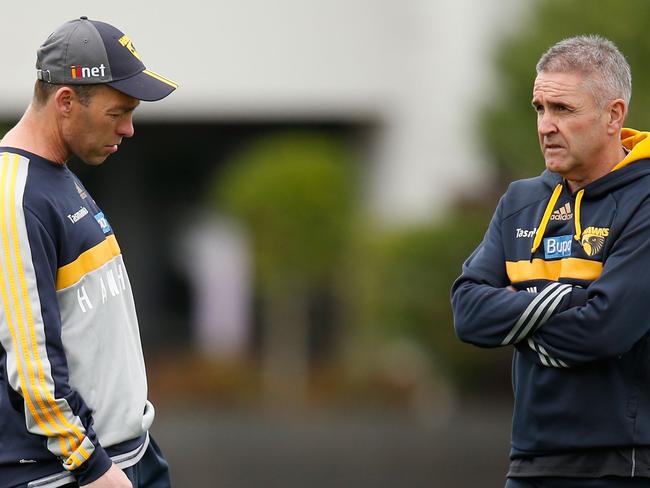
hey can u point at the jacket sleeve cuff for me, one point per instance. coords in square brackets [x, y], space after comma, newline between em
[94, 467]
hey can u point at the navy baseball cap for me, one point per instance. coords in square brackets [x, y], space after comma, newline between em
[88, 52]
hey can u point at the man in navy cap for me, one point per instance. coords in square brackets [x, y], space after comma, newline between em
[73, 388]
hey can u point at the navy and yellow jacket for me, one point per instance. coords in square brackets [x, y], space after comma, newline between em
[73, 391]
[580, 319]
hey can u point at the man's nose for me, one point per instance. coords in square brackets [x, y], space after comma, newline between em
[546, 123]
[125, 129]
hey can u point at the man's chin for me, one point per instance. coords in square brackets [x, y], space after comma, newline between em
[555, 166]
[94, 161]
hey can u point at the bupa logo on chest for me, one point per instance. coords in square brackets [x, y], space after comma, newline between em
[103, 222]
[557, 247]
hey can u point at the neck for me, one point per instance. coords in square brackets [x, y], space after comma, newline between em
[610, 158]
[39, 133]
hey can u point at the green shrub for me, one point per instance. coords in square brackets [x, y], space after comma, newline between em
[403, 281]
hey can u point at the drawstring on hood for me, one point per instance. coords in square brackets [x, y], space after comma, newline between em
[541, 228]
[638, 144]
[576, 218]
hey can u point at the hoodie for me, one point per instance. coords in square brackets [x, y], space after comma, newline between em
[579, 322]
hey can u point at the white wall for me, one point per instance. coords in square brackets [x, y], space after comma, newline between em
[430, 151]
[237, 58]
[419, 67]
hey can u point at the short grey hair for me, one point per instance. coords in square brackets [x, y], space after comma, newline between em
[607, 71]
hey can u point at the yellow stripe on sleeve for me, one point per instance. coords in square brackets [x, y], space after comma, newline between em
[90, 260]
[539, 269]
[68, 433]
[52, 404]
[78, 457]
[9, 312]
[73, 462]
[8, 237]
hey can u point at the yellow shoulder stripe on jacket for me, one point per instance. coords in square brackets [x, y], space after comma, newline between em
[539, 269]
[90, 260]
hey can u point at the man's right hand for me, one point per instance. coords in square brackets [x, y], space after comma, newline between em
[113, 478]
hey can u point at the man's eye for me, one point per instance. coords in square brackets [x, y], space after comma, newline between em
[114, 116]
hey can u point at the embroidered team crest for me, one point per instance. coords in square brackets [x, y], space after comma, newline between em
[593, 239]
[126, 42]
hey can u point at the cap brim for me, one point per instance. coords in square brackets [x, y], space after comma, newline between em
[146, 85]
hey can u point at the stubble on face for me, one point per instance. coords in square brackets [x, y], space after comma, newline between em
[95, 130]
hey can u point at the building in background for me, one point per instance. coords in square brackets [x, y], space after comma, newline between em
[413, 70]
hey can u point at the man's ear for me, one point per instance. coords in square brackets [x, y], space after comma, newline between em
[616, 113]
[63, 100]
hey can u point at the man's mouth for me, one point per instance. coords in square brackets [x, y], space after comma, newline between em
[552, 147]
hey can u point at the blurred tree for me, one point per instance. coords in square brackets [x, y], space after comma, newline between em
[294, 193]
[402, 282]
[508, 124]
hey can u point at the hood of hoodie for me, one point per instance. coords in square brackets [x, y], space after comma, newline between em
[638, 145]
